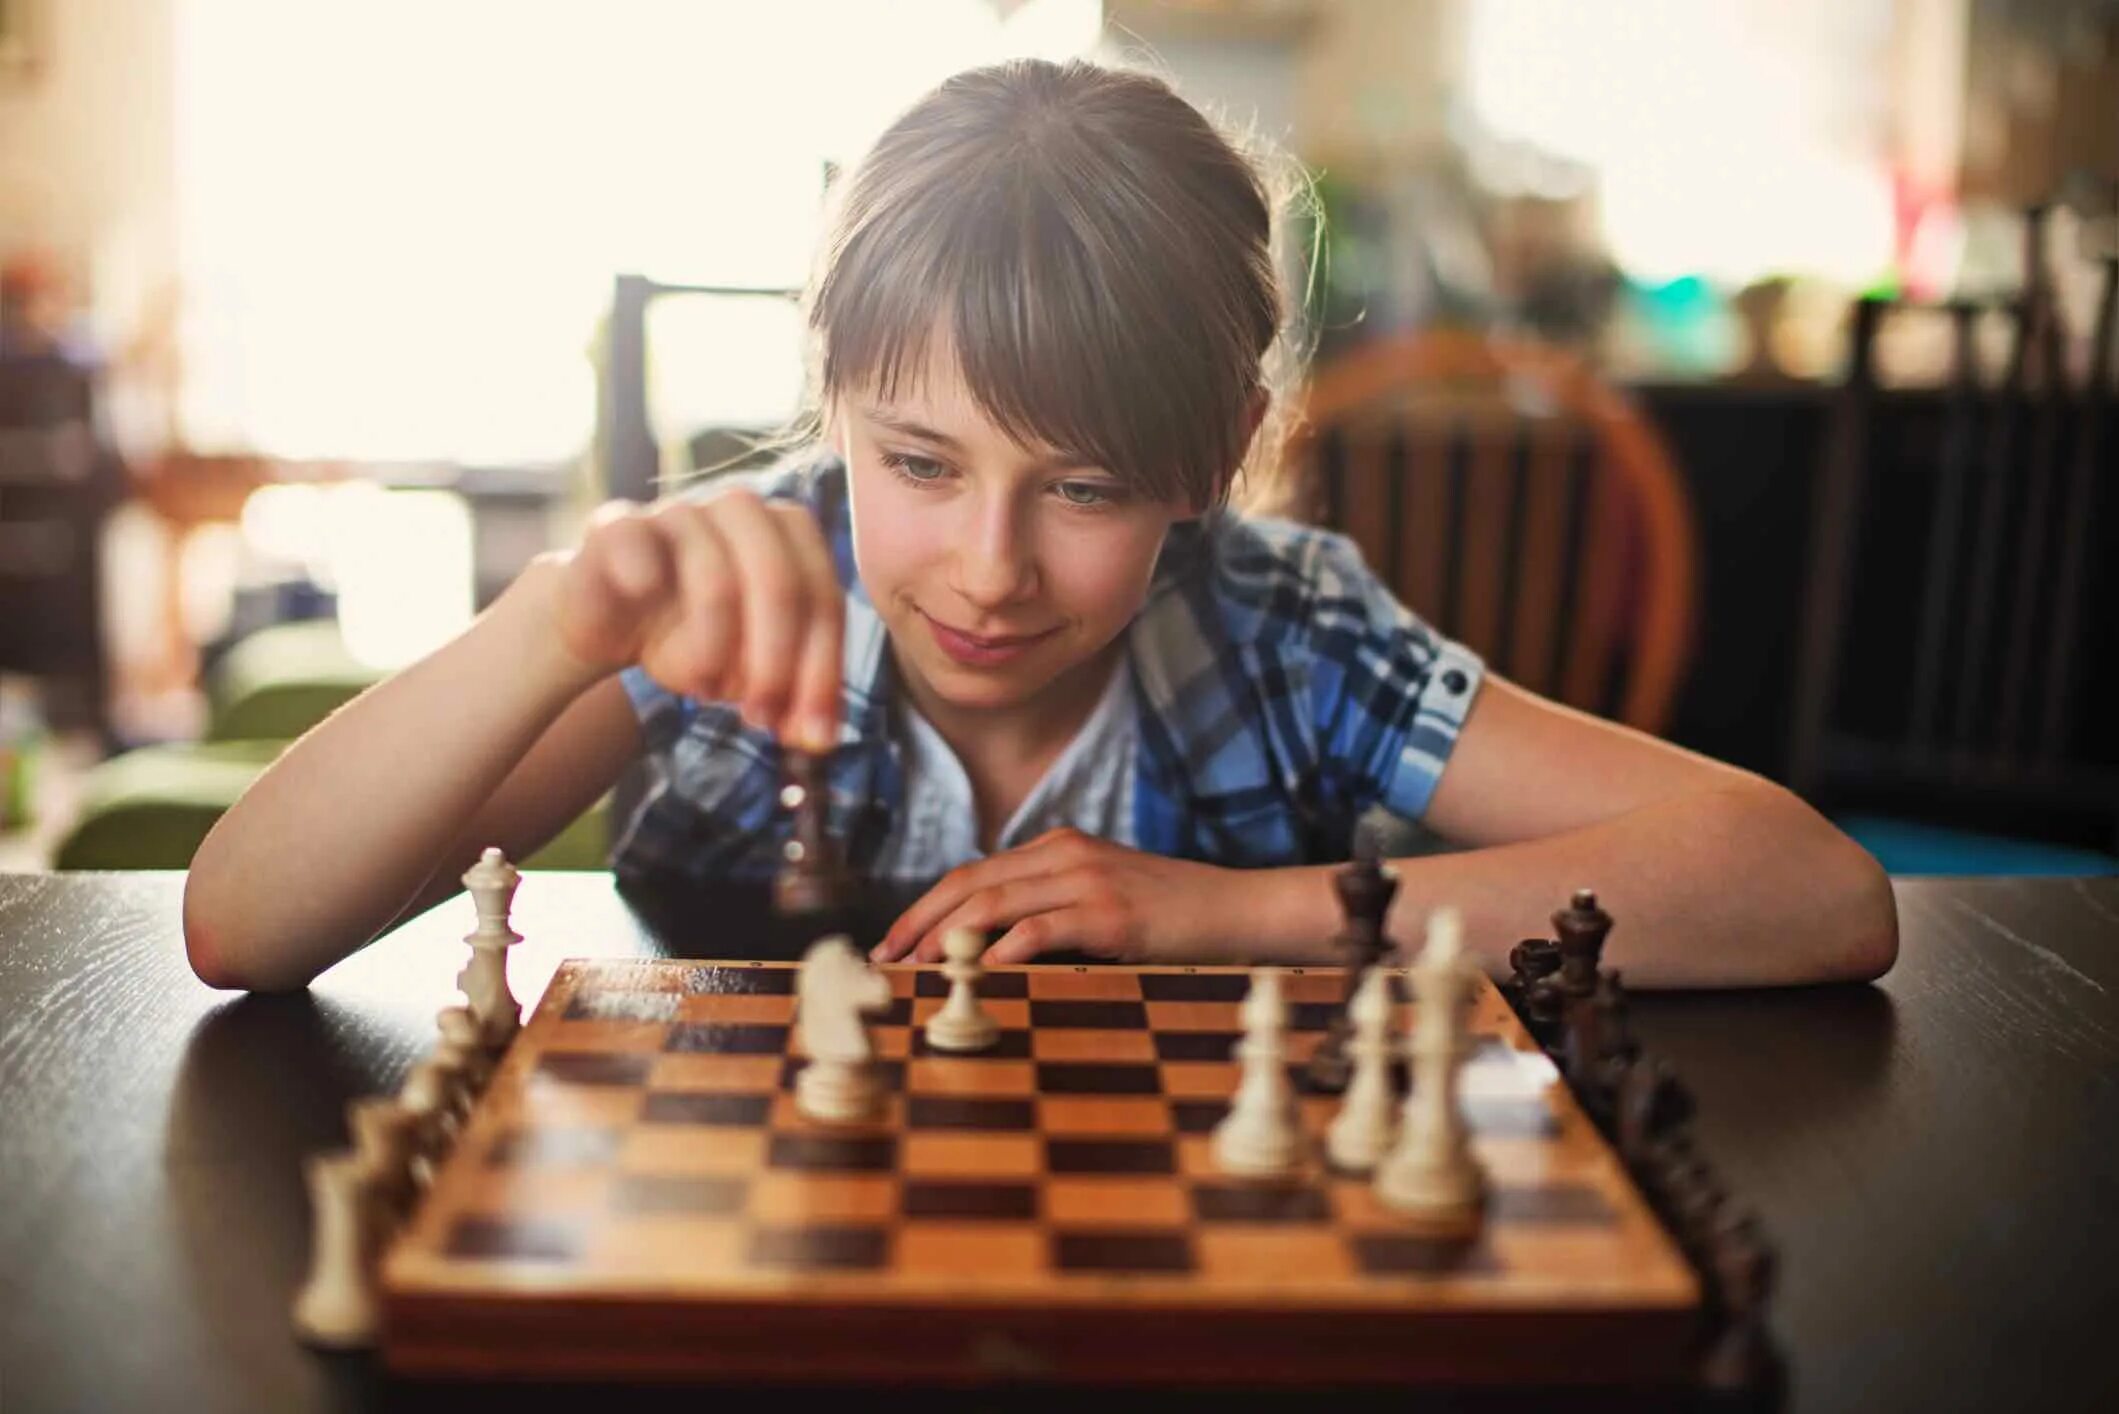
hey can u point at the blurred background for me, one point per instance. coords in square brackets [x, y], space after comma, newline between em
[1738, 369]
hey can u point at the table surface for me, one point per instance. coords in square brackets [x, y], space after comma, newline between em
[1936, 1157]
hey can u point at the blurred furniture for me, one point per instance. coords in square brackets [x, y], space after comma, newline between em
[1960, 697]
[58, 480]
[280, 681]
[150, 807]
[1518, 504]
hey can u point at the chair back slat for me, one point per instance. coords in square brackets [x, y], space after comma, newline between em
[1997, 473]
[1541, 580]
[1512, 568]
[1482, 538]
[2045, 387]
[2084, 468]
[1939, 580]
[1597, 539]
[1367, 496]
[1426, 512]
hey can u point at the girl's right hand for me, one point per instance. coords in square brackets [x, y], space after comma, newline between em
[728, 599]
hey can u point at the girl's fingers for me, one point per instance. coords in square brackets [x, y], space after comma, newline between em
[1040, 933]
[703, 630]
[813, 704]
[775, 602]
[1003, 904]
[621, 569]
[957, 885]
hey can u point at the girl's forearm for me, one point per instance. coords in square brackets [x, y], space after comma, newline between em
[331, 841]
[1739, 886]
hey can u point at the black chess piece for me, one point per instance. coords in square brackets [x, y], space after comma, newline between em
[1536, 963]
[1651, 1105]
[1365, 887]
[813, 881]
[1582, 929]
[1617, 1049]
[1741, 1269]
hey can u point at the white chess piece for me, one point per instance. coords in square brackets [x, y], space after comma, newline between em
[463, 1062]
[1258, 1138]
[425, 1096]
[835, 987]
[385, 1133]
[1432, 1173]
[337, 1306]
[961, 1024]
[1360, 1134]
[484, 978]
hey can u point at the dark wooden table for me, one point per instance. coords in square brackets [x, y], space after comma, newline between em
[1937, 1157]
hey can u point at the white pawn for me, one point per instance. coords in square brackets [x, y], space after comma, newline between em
[1360, 1133]
[961, 1025]
[1432, 1172]
[337, 1305]
[484, 978]
[462, 1042]
[1259, 1138]
[463, 1063]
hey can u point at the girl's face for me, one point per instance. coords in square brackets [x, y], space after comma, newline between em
[996, 567]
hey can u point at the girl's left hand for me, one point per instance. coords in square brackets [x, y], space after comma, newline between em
[1066, 889]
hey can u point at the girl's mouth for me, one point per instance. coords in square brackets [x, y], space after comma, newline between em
[980, 650]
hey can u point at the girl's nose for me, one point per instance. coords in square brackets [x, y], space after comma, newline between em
[995, 567]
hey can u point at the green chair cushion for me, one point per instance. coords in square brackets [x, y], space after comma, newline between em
[280, 681]
[150, 808]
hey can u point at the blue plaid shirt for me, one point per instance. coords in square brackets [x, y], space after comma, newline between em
[1281, 693]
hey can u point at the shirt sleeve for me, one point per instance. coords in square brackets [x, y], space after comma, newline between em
[663, 714]
[1389, 694]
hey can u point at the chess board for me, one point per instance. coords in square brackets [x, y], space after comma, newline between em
[636, 1193]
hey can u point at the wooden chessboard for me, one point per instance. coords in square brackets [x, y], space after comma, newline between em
[636, 1194]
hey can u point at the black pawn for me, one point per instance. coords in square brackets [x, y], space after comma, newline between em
[1534, 962]
[1651, 1105]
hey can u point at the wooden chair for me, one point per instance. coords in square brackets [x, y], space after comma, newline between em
[1958, 638]
[1516, 502]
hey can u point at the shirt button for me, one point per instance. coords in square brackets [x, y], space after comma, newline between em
[1455, 681]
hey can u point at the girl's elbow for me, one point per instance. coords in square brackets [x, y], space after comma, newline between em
[1849, 912]
[1872, 947]
[214, 947]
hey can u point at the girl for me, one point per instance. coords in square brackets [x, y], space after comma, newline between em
[1048, 664]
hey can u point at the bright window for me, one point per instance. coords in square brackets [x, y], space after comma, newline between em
[399, 220]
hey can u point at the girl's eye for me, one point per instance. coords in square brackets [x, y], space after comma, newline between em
[921, 470]
[1085, 493]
